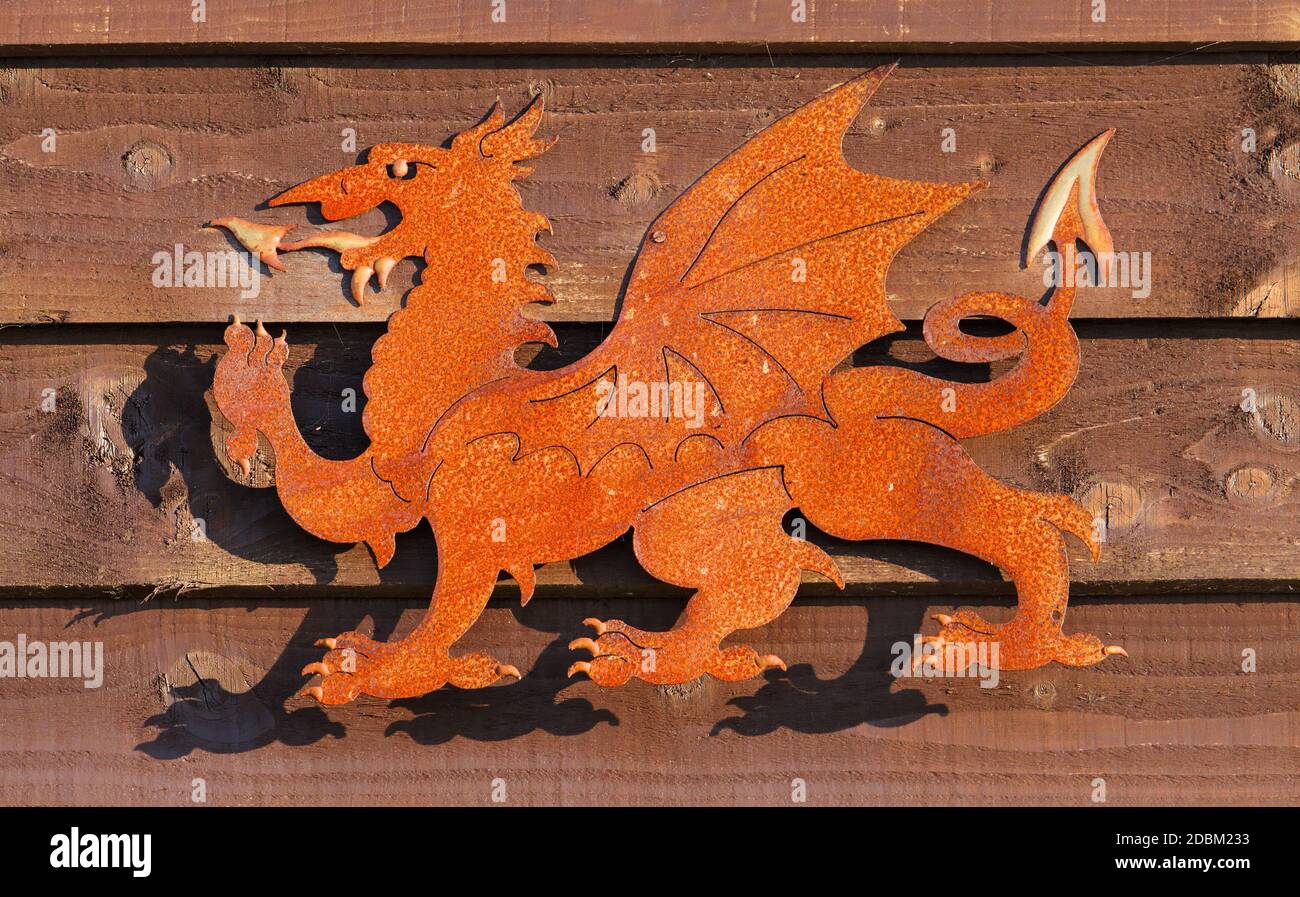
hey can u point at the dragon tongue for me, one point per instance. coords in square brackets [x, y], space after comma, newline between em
[338, 240]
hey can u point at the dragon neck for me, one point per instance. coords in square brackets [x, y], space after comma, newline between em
[460, 327]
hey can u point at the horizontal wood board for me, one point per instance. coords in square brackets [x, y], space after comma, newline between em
[203, 690]
[632, 26]
[145, 152]
[103, 490]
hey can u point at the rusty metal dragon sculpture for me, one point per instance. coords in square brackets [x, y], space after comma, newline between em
[746, 295]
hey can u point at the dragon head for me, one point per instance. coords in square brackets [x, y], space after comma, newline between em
[400, 173]
[451, 199]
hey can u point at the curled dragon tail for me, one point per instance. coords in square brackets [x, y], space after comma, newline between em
[1043, 338]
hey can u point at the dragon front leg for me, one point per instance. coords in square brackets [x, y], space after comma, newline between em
[421, 662]
[342, 501]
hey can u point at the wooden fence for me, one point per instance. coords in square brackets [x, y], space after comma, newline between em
[125, 126]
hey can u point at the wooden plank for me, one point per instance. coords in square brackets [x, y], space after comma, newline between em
[146, 153]
[196, 689]
[598, 26]
[100, 493]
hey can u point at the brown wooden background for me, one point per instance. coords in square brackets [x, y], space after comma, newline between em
[164, 123]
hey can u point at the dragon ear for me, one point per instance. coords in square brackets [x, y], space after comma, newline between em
[515, 142]
[468, 141]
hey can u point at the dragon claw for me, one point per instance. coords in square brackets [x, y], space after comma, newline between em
[360, 279]
[771, 661]
[314, 691]
[356, 665]
[1020, 645]
[585, 644]
[249, 380]
[930, 660]
[613, 655]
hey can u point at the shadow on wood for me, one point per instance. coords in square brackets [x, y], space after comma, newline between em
[490, 714]
[205, 714]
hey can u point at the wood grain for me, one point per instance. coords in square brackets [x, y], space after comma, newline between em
[120, 523]
[599, 26]
[197, 689]
[102, 491]
[147, 152]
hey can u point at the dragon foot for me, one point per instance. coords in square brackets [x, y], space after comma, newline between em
[356, 665]
[250, 387]
[620, 652]
[965, 637]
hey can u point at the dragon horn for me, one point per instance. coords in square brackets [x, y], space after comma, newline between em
[515, 142]
[1081, 171]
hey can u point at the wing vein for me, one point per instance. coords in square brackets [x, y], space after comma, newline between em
[805, 245]
[699, 255]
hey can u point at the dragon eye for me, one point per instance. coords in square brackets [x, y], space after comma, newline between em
[398, 169]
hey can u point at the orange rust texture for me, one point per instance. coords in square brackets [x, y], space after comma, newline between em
[708, 414]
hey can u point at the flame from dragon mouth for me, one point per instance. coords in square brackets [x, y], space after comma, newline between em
[266, 241]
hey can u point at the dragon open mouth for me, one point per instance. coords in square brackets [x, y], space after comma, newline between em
[266, 241]
[341, 194]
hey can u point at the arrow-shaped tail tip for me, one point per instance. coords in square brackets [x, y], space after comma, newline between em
[1069, 207]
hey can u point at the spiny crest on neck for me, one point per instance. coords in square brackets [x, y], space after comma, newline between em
[474, 215]
[479, 241]
[466, 217]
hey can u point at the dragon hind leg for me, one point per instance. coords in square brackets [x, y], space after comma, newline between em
[893, 478]
[724, 539]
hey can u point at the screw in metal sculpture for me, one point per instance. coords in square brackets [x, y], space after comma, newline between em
[514, 467]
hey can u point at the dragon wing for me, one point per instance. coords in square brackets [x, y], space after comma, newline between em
[770, 269]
